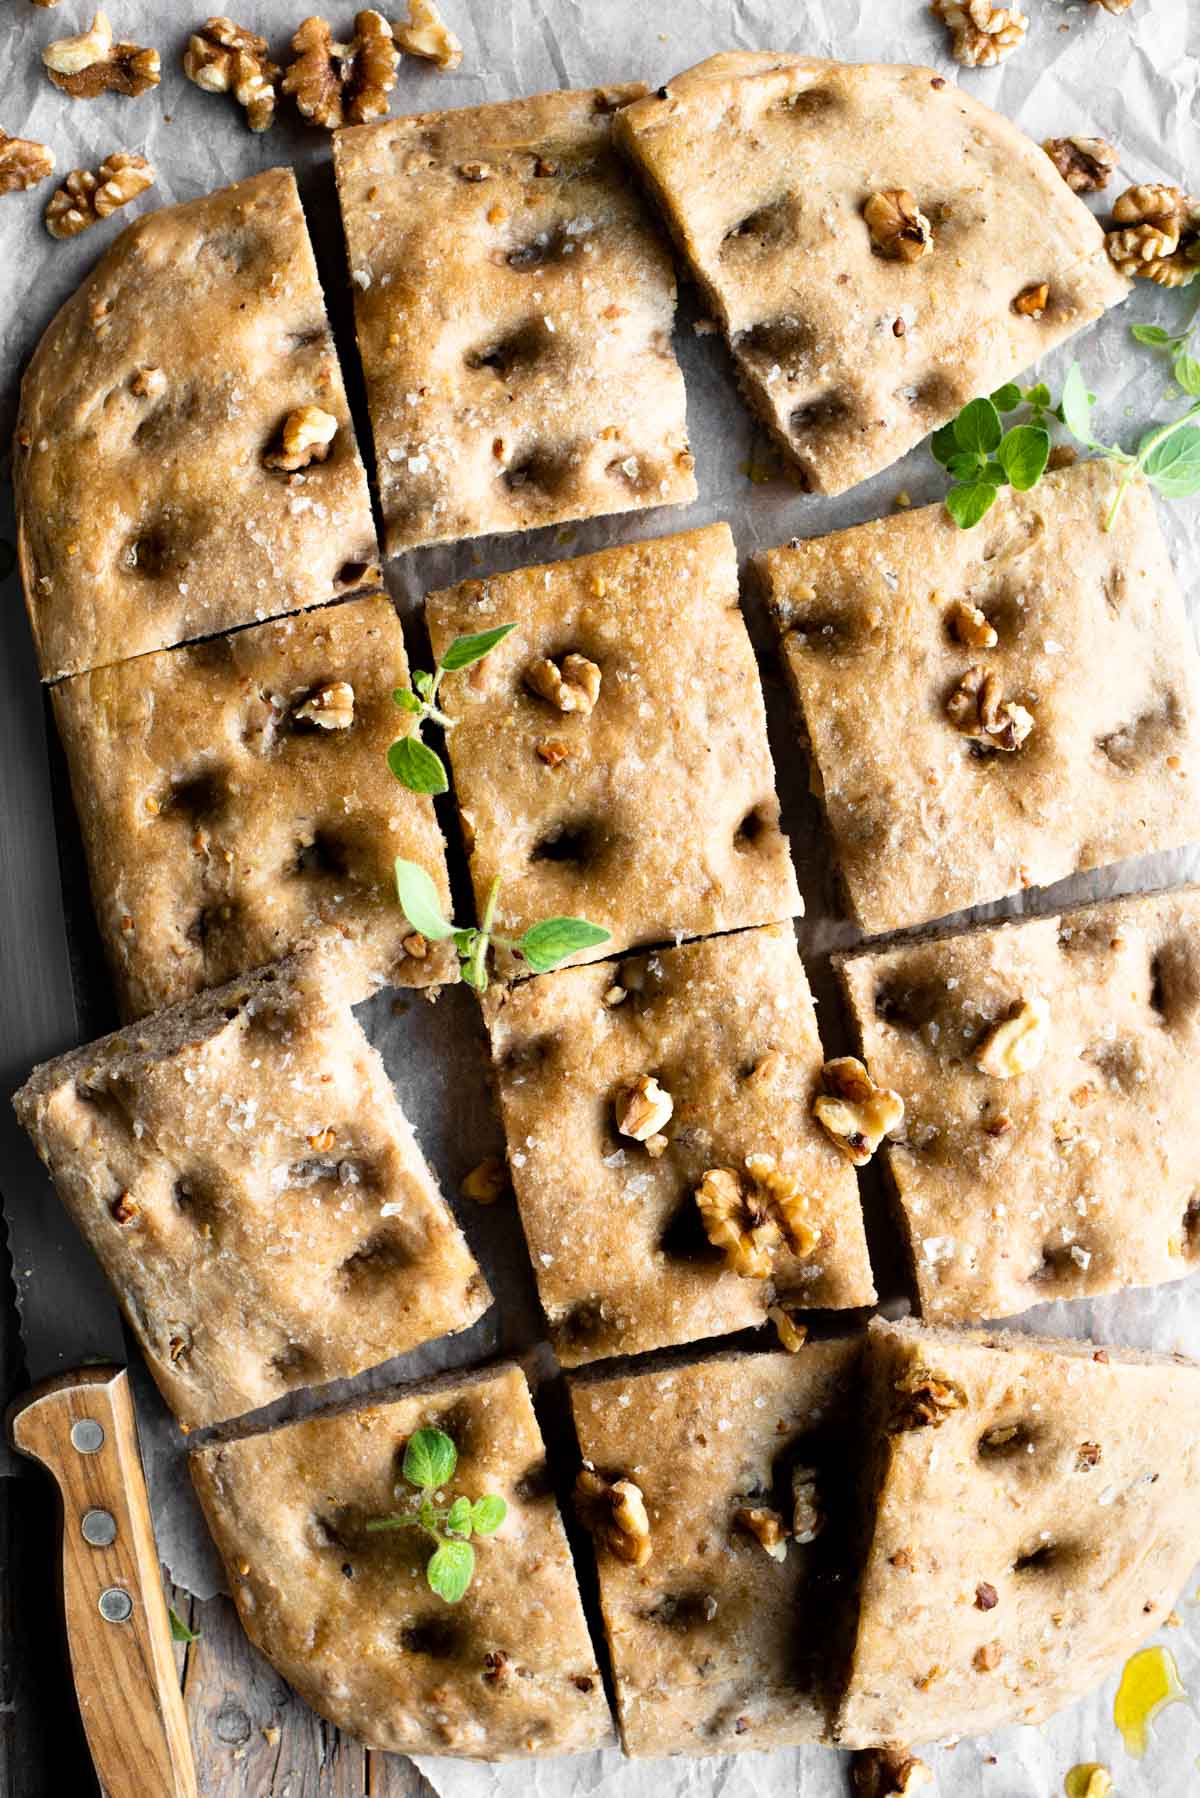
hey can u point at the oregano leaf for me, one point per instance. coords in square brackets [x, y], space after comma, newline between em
[1076, 407]
[419, 901]
[430, 1458]
[179, 1629]
[1023, 454]
[1174, 466]
[944, 444]
[416, 766]
[450, 1568]
[423, 682]
[978, 427]
[1186, 371]
[459, 1518]
[488, 1513]
[466, 650]
[964, 465]
[406, 699]
[1150, 334]
[967, 505]
[1007, 398]
[547, 944]
[1039, 396]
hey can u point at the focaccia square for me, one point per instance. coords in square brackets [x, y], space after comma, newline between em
[717, 1642]
[250, 1186]
[727, 1029]
[514, 307]
[851, 340]
[1083, 632]
[642, 796]
[235, 800]
[1035, 1509]
[344, 1614]
[1075, 1168]
[149, 510]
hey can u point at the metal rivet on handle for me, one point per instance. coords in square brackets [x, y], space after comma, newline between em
[87, 1435]
[98, 1527]
[115, 1606]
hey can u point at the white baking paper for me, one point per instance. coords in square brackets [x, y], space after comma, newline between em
[1133, 79]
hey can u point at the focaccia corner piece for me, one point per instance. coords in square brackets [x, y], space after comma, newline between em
[243, 1172]
[345, 1615]
[719, 1643]
[929, 812]
[764, 166]
[1050, 1071]
[514, 307]
[235, 800]
[148, 511]
[632, 785]
[1035, 1518]
[727, 1029]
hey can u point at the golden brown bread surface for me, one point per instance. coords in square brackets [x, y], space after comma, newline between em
[146, 513]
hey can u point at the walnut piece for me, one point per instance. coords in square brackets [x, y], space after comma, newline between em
[342, 84]
[615, 1512]
[926, 1400]
[487, 1182]
[983, 34]
[1085, 163]
[986, 1596]
[976, 708]
[1032, 301]
[304, 437]
[808, 1519]
[85, 197]
[92, 64]
[787, 1201]
[749, 1220]
[1016, 1045]
[23, 163]
[792, 1336]
[969, 626]
[766, 1526]
[887, 1773]
[223, 58]
[854, 1113]
[642, 1108]
[899, 229]
[1158, 235]
[331, 707]
[427, 35]
[1113, 6]
[573, 687]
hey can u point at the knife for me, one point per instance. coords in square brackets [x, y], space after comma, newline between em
[77, 1419]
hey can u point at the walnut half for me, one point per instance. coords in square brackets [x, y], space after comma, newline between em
[85, 197]
[854, 1113]
[615, 1512]
[342, 84]
[898, 227]
[92, 64]
[331, 707]
[427, 35]
[983, 34]
[572, 685]
[223, 58]
[1157, 235]
[749, 1219]
[1085, 163]
[23, 163]
[976, 708]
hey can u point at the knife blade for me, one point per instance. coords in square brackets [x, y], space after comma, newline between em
[78, 1420]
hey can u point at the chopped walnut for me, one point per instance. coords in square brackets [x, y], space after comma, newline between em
[983, 34]
[899, 229]
[223, 58]
[427, 35]
[808, 1519]
[887, 1773]
[553, 751]
[969, 626]
[1087, 1456]
[1085, 163]
[415, 945]
[321, 1141]
[85, 197]
[23, 163]
[487, 1182]
[342, 84]
[91, 63]
[854, 1113]
[926, 1399]
[766, 1526]
[124, 1209]
[1158, 235]
[792, 1336]
[986, 1596]
[987, 1657]
[572, 687]
[976, 708]
[615, 1511]
[304, 437]
[642, 1108]
[1015, 1045]
[1032, 301]
[331, 707]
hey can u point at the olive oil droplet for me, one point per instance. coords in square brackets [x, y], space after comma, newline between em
[1149, 1683]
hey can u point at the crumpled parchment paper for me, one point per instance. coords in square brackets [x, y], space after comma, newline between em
[1133, 79]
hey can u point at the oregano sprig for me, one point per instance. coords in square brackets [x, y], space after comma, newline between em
[542, 947]
[430, 1459]
[410, 759]
[981, 456]
[1168, 456]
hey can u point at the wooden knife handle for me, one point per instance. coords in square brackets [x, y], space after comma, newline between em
[81, 1426]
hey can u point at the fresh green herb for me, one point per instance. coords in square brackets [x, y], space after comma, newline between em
[1175, 344]
[179, 1629]
[542, 947]
[429, 1463]
[981, 456]
[1167, 456]
[413, 763]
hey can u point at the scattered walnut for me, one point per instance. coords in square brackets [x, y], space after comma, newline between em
[792, 1336]
[987, 1657]
[737, 1221]
[926, 1399]
[976, 708]
[331, 707]
[427, 35]
[304, 437]
[91, 63]
[1087, 1456]
[338, 84]
[983, 34]
[854, 1113]
[553, 751]
[986, 1597]
[1085, 163]
[573, 687]
[223, 58]
[614, 996]
[969, 626]
[887, 1773]
[808, 1520]
[615, 1511]
[766, 1526]
[1016, 1045]
[487, 1182]
[415, 945]
[1158, 235]
[85, 197]
[321, 1141]
[23, 163]
[124, 1209]
[642, 1108]
[899, 229]
[1032, 301]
